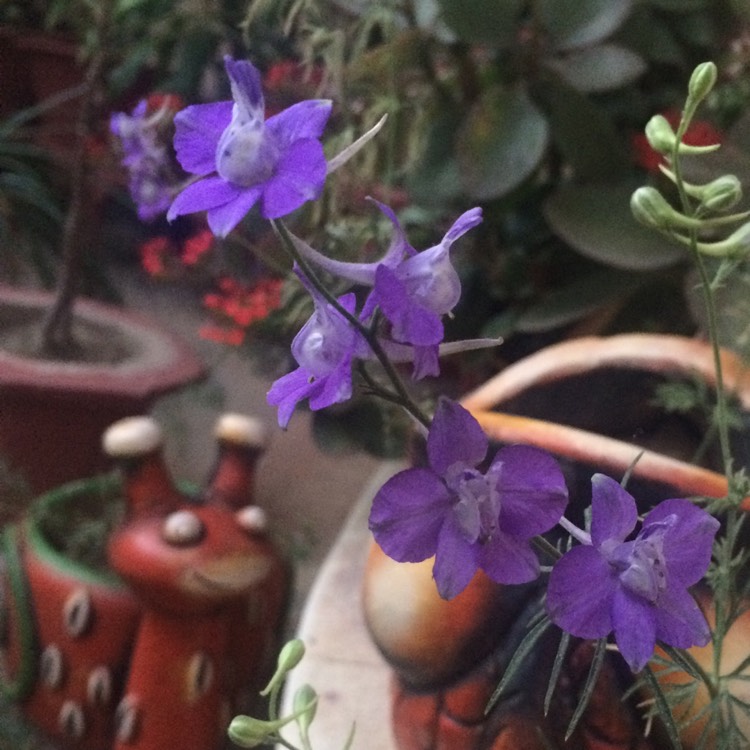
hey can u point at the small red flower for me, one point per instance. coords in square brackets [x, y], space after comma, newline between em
[154, 254]
[196, 247]
[700, 133]
[238, 306]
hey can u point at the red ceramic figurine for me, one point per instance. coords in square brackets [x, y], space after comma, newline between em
[161, 651]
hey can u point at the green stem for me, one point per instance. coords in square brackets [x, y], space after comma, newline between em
[709, 303]
[722, 415]
[367, 333]
[546, 547]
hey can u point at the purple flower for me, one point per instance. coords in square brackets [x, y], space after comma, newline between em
[637, 588]
[324, 349]
[244, 159]
[412, 289]
[153, 181]
[465, 517]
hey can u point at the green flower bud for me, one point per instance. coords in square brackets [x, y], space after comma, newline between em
[737, 245]
[304, 705]
[246, 731]
[289, 657]
[702, 81]
[651, 209]
[660, 135]
[721, 194]
[291, 654]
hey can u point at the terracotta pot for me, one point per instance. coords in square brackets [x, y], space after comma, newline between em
[52, 414]
[590, 402]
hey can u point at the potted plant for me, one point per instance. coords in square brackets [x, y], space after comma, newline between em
[70, 368]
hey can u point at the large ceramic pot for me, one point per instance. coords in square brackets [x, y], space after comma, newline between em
[592, 403]
[137, 616]
[53, 413]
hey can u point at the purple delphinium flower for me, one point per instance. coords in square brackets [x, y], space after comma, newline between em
[153, 181]
[467, 518]
[243, 159]
[412, 289]
[324, 349]
[638, 588]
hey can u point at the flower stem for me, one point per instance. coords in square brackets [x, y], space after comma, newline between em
[366, 332]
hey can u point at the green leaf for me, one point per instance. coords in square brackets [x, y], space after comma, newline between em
[525, 647]
[501, 142]
[597, 661]
[663, 707]
[562, 651]
[577, 23]
[435, 179]
[599, 68]
[679, 6]
[595, 219]
[653, 39]
[584, 134]
[582, 297]
[491, 22]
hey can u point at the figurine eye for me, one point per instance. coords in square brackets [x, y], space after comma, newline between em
[252, 519]
[182, 527]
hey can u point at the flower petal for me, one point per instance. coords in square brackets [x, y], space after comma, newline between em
[223, 219]
[299, 177]
[197, 132]
[407, 514]
[287, 392]
[688, 542]
[579, 593]
[411, 322]
[680, 621]
[508, 560]
[613, 510]
[426, 361]
[468, 220]
[455, 560]
[247, 91]
[533, 494]
[444, 448]
[334, 387]
[302, 121]
[203, 195]
[634, 621]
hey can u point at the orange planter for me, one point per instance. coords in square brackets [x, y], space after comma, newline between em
[590, 402]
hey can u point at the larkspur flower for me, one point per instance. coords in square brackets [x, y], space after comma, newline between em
[243, 159]
[324, 348]
[466, 518]
[144, 135]
[638, 588]
[412, 289]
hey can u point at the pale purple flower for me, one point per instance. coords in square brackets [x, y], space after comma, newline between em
[324, 348]
[153, 181]
[244, 159]
[638, 588]
[468, 518]
[414, 290]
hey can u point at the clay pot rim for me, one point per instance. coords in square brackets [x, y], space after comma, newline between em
[160, 360]
[56, 501]
[650, 352]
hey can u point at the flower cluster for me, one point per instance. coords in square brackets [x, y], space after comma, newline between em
[144, 136]
[237, 306]
[466, 511]
[470, 519]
